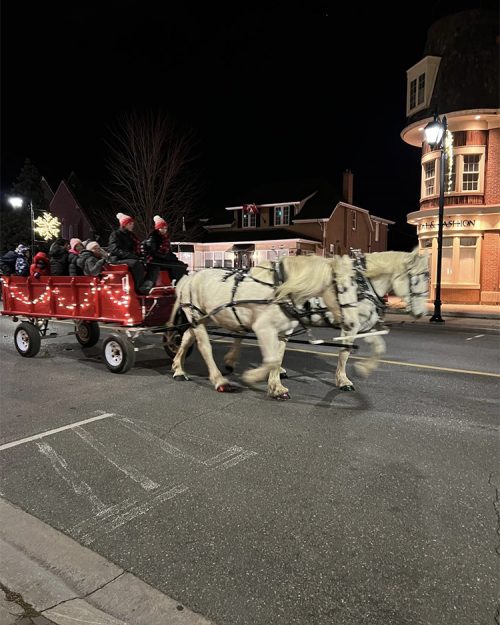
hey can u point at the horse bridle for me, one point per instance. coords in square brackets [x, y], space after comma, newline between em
[413, 280]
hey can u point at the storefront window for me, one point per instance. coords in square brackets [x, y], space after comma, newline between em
[467, 259]
[447, 260]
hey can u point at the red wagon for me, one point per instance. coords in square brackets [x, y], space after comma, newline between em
[90, 301]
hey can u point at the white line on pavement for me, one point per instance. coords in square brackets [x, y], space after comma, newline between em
[36, 437]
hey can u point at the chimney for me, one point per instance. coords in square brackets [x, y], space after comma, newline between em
[347, 181]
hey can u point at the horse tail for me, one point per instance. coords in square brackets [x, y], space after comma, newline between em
[177, 302]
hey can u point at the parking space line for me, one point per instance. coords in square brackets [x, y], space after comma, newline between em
[61, 467]
[35, 437]
[130, 471]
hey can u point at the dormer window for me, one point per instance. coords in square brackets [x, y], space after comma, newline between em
[281, 215]
[421, 79]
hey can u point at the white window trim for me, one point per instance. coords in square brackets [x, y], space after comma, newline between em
[458, 154]
[252, 217]
[475, 284]
[284, 220]
[428, 66]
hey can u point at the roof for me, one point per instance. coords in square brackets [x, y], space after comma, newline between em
[468, 73]
[255, 234]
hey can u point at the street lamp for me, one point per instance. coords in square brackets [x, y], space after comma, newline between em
[435, 135]
[17, 202]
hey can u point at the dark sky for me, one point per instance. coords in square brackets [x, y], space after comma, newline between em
[276, 90]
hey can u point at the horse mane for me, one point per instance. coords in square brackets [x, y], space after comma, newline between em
[379, 263]
[305, 277]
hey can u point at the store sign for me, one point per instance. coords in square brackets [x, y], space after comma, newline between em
[455, 224]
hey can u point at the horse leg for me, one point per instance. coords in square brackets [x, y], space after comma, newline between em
[341, 379]
[274, 385]
[272, 355]
[180, 357]
[203, 342]
[231, 358]
[368, 366]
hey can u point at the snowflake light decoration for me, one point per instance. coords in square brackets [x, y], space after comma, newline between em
[47, 226]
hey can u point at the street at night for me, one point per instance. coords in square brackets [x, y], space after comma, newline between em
[377, 506]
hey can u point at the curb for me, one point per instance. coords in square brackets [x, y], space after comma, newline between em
[68, 583]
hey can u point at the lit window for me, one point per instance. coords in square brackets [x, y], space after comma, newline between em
[377, 231]
[429, 177]
[467, 259]
[470, 176]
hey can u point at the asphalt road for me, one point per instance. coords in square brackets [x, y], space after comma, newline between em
[378, 506]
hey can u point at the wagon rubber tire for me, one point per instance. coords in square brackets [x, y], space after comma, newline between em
[87, 333]
[27, 339]
[118, 353]
[172, 338]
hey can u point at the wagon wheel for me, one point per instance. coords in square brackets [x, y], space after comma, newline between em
[27, 339]
[119, 353]
[172, 338]
[87, 333]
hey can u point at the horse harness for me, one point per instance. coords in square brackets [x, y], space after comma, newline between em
[289, 308]
[365, 287]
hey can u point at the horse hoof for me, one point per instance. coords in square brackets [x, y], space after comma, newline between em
[229, 368]
[181, 378]
[282, 397]
[347, 388]
[227, 388]
[283, 375]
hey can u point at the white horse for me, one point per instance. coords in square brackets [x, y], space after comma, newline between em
[261, 301]
[404, 273]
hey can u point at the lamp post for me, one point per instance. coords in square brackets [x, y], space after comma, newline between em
[17, 202]
[435, 135]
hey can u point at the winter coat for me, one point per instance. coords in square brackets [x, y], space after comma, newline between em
[157, 247]
[74, 269]
[58, 258]
[123, 244]
[40, 265]
[15, 263]
[89, 263]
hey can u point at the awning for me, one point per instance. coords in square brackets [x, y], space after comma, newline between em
[242, 247]
[182, 247]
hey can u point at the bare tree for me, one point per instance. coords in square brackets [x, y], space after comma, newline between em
[152, 166]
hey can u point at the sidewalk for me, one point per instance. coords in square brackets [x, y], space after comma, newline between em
[59, 582]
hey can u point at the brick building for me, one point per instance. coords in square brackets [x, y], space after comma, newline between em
[283, 219]
[458, 77]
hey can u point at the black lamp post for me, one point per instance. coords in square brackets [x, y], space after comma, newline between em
[435, 134]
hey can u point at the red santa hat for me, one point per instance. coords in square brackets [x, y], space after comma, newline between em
[124, 219]
[159, 222]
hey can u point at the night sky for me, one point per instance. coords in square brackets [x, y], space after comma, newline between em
[276, 90]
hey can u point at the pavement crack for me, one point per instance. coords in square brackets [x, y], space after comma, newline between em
[89, 594]
[496, 505]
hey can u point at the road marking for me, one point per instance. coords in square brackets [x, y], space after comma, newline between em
[70, 477]
[471, 338]
[129, 470]
[222, 456]
[36, 437]
[387, 362]
[233, 461]
[111, 522]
